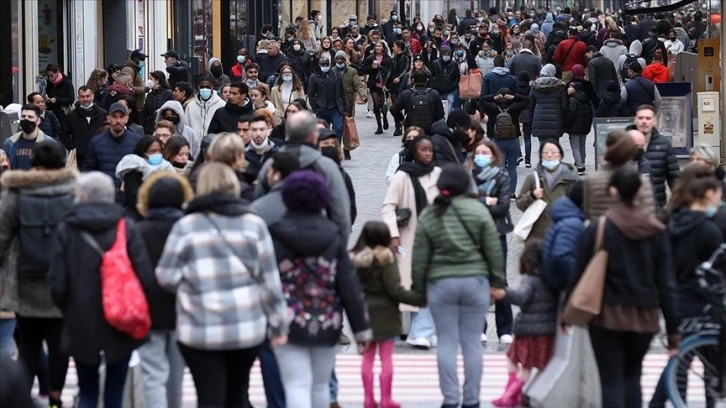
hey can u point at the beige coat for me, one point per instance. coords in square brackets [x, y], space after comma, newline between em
[276, 97]
[400, 195]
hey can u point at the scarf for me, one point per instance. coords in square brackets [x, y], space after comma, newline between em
[58, 79]
[636, 222]
[416, 170]
[551, 177]
[487, 177]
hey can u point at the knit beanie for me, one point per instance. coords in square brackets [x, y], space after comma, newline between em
[578, 71]
[306, 192]
[548, 70]
[340, 54]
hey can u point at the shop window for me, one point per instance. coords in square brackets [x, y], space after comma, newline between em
[50, 34]
[202, 31]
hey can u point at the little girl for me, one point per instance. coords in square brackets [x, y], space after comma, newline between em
[534, 327]
[378, 274]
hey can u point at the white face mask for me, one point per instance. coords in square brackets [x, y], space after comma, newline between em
[296, 47]
[258, 146]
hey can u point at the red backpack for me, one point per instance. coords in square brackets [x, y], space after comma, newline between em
[122, 297]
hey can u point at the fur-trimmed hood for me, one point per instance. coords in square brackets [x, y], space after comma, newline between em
[368, 257]
[17, 179]
[545, 84]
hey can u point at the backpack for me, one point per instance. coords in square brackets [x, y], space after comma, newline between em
[124, 303]
[629, 59]
[38, 218]
[504, 127]
[420, 109]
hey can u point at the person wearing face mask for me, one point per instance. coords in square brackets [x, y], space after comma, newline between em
[330, 147]
[287, 88]
[387, 28]
[136, 167]
[419, 33]
[260, 148]
[673, 45]
[160, 93]
[326, 95]
[19, 146]
[200, 111]
[299, 60]
[176, 152]
[82, 123]
[446, 79]
[485, 59]
[174, 113]
[449, 137]
[398, 158]
[216, 71]
[237, 73]
[133, 67]
[352, 85]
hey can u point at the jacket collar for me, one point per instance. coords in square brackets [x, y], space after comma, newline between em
[23, 178]
[39, 138]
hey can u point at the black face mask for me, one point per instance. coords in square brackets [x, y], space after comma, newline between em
[330, 152]
[462, 137]
[27, 126]
[178, 165]
[216, 71]
[173, 119]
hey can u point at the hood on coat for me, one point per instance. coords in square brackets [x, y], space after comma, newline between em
[368, 257]
[613, 42]
[176, 107]
[94, 217]
[685, 220]
[547, 84]
[144, 199]
[305, 235]
[501, 71]
[564, 208]
[636, 48]
[441, 128]
[37, 178]
[657, 68]
[636, 223]
[212, 61]
[132, 162]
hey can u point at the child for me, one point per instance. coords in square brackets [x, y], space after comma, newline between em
[378, 274]
[534, 327]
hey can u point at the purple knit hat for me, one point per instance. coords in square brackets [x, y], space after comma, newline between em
[306, 192]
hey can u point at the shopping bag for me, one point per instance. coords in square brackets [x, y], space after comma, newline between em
[531, 215]
[571, 378]
[585, 301]
[351, 141]
[71, 160]
[470, 85]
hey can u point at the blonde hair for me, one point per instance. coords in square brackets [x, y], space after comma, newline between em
[216, 178]
[304, 32]
[96, 79]
[142, 203]
[167, 125]
[227, 148]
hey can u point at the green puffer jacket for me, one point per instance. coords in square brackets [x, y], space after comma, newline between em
[444, 249]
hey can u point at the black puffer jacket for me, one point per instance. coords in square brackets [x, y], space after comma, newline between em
[612, 106]
[154, 100]
[549, 107]
[300, 63]
[664, 165]
[579, 117]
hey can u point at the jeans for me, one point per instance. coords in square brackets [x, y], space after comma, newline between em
[335, 118]
[577, 142]
[30, 334]
[221, 377]
[163, 368]
[274, 392]
[459, 307]
[527, 135]
[619, 356]
[511, 152]
[113, 389]
[305, 372]
[333, 384]
[422, 325]
[452, 100]
[503, 308]
[7, 328]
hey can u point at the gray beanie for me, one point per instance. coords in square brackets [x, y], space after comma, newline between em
[341, 54]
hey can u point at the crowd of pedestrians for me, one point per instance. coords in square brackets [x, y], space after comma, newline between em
[220, 203]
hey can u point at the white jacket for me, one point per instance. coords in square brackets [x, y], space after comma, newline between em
[199, 113]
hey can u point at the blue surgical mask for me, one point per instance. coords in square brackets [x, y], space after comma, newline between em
[241, 59]
[550, 164]
[325, 69]
[459, 53]
[287, 78]
[394, 18]
[155, 159]
[340, 65]
[87, 107]
[483, 160]
[205, 93]
[141, 64]
[711, 211]
[397, 31]
[446, 58]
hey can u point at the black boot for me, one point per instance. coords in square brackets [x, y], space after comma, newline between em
[346, 154]
[385, 121]
[379, 131]
[398, 131]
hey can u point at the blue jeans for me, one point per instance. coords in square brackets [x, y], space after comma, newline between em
[527, 134]
[503, 308]
[510, 150]
[274, 391]
[452, 100]
[422, 325]
[7, 328]
[88, 384]
[335, 118]
[333, 386]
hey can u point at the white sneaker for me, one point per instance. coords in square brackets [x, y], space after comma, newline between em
[483, 338]
[369, 114]
[506, 339]
[420, 343]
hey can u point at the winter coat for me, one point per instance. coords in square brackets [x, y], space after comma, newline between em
[105, 152]
[600, 69]
[133, 170]
[199, 113]
[524, 89]
[640, 91]
[154, 101]
[612, 106]
[561, 243]
[268, 64]
[351, 83]
[569, 53]
[595, 197]
[270, 206]
[11, 143]
[497, 79]
[549, 104]
[64, 94]
[664, 166]
[225, 119]
[445, 76]
[402, 102]
[446, 148]
[400, 65]
[182, 128]
[538, 307]
[650, 46]
[381, 283]
[276, 97]
[444, 249]
[311, 158]
[221, 80]
[137, 84]
[526, 61]
[612, 49]
[116, 92]
[300, 63]
[657, 73]
[220, 261]
[314, 240]
[77, 130]
[326, 91]
[380, 74]
[26, 296]
[579, 116]
[559, 188]
[493, 107]
[75, 281]
[255, 161]
[501, 191]
[178, 71]
[50, 125]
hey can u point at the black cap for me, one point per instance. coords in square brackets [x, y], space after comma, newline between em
[171, 53]
[138, 54]
[418, 57]
[117, 107]
[326, 134]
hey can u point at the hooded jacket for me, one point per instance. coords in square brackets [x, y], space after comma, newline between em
[636, 48]
[199, 113]
[549, 104]
[657, 72]
[154, 101]
[493, 107]
[579, 113]
[612, 49]
[538, 307]
[305, 237]
[221, 80]
[612, 106]
[497, 79]
[225, 119]
[78, 130]
[447, 149]
[182, 128]
[561, 243]
[524, 88]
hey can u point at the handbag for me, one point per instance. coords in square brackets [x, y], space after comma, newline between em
[125, 307]
[71, 160]
[470, 85]
[351, 141]
[585, 302]
[403, 216]
[531, 215]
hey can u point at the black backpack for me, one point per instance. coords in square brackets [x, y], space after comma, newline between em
[420, 109]
[39, 216]
[504, 126]
[629, 59]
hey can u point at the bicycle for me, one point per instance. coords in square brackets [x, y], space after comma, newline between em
[702, 355]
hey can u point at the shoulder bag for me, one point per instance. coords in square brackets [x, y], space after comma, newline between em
[531, 215]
